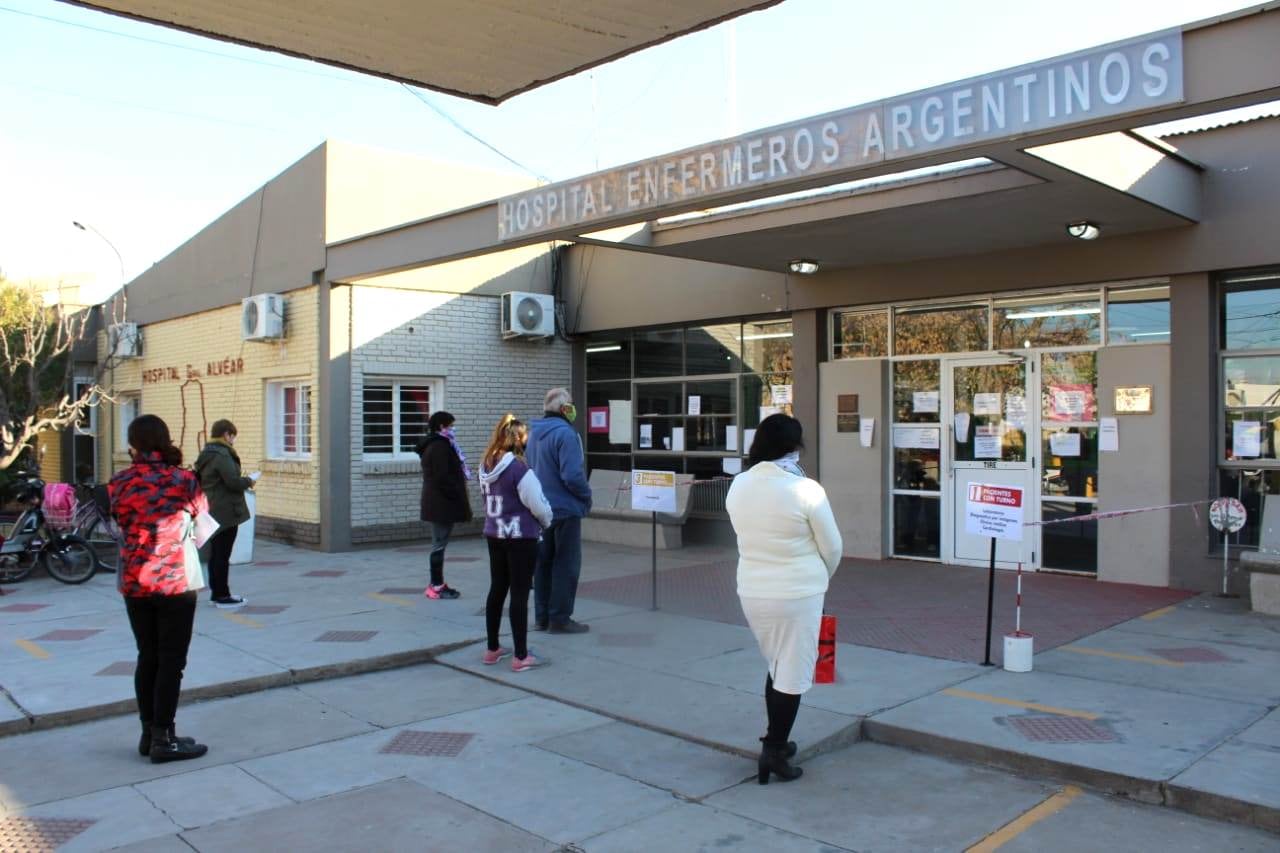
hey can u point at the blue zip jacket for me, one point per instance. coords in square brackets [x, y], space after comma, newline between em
[555, 455]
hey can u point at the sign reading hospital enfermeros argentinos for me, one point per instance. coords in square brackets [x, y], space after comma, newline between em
[1119, 79]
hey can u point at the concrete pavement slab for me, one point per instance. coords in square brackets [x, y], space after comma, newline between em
[395, 816]
[1238, 779]
[1138, 738]
[400, 696]
[119, 816]
[867, 680]
[42, 599]
[655, 759]
[160, 844]
[210, 794]
[1200, 667]
[872, 798]
[700, 828]
[654, 638]
[1211, 620]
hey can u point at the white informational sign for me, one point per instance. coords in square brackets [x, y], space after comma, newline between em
[1064, 444]
[731, 437]
[1108, 435]
[1227, 515]
[1015, 410]
[695, 404]
[924, 401]
[653, 491]
[766, 411]
[867, 431]
[986, 442]
[781, 394]
[646, 435]
[748, 436]
[1246, 439]
[1069, 404]
[677, 439]
[599, 419]
[962, 427]
[620, 422]
[993, 511]
[986, 404]
[732, 465]
[916, 438]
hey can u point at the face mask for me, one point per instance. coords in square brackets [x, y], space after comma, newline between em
[570, 412]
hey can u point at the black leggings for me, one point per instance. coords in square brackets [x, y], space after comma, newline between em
[511, 563]
[162, 628]
[782, 709]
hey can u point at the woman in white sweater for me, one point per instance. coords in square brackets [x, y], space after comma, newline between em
[788, 549]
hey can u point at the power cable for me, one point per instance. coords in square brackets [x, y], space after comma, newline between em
[461, 127]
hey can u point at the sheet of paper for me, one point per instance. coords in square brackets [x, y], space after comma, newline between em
[1015, 410]
[987, 403]
[924, 401]
[599, 419]
[867, 431]
[916, 438]
[1064, 443]
[1246, 439]
[766, 411]
[646, 435]
[1108, 435]
[962, 427]
[1068, 403]
[677, 439]
[781, 394]
[731, 437]
[986, 442]
[620, 422]
[732, 465]
[695, 404]
[748, 436]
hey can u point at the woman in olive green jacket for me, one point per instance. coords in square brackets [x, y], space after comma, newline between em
[219, 469]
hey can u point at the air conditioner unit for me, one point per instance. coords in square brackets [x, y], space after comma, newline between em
[528, 315]
[262, 317]
[123, 341]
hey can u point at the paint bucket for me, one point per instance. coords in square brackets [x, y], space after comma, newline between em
[1017, 652]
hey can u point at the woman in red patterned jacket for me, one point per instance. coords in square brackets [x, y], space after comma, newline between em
[152, 501]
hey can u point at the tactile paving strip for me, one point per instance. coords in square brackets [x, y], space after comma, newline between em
[346, 636]
[68, 635]
[323, 573]
[120, 667]
[1192, 654]
[39, 834]
[444, 744]
[23, 608]
[1061, 730]
[263, 609]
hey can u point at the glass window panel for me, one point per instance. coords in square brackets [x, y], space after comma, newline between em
[659, 353]
[923, 331]
[860, 334]
[609, 357]
[378, 419]
[415, 411]
[918, 470]
[912, 378]
[658, 462]
[706, 468]
[599, 394]
[1002, 414]
[1072, 546]
[1251, 315]
[1069, 387]
[304, 419]
[289, 413]
[916, 526]
[1069, 320]
[713, 349]
[757, 392]
[1070, 462]
[1138, 315]
[1253, 489]
[717, 396]
[658, 430]
[659, 398]
[767, 346]
[1251, 387]
[708, 434]
[608, 462]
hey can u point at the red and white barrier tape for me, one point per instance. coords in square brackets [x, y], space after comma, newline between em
[1117, 513]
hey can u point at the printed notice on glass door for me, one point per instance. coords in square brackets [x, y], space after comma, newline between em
[1015, 410]
[1065, 443]
[1246, 439]
[986, 404]
[916, 438]
[986, 442]
[1068, 404]
[924, 401]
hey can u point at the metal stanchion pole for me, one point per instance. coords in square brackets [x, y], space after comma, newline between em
[654, 562]
[991, 597]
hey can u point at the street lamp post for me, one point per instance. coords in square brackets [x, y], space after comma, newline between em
[103, 238]
[110, 361]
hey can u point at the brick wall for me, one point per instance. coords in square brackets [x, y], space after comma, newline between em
[418, 335]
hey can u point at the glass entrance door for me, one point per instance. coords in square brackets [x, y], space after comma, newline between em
[990, 420]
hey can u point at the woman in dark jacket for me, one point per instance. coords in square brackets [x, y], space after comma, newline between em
[218, 467]
[444, 494]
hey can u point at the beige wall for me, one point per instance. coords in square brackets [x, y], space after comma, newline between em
[853, 475]
[526, 269]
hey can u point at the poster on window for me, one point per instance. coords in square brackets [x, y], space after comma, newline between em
[646, 436]
[924, 402]
[1064, 444]
[1246, 439]
[986, 442]
[1071, 402]
[987, 403]
[620, 422]
[598, 419]
[1015, 410]
[695, 404]
[781, 394]
[916, 438]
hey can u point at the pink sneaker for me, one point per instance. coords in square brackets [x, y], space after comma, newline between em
[492, 657]
[442, 591]
[529, 661]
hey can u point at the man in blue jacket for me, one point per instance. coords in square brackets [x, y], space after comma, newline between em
[555, 455]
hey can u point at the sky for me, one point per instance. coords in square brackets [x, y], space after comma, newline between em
[147, 134]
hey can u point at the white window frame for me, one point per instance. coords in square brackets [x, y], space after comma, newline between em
[435, 383]
[275, 420]
[124, 418]
[92, 411]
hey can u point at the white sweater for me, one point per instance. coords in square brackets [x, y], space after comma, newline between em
[788, 542]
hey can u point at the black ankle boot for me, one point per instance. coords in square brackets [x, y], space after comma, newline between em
[791, 748]
[165, 746]
[144, 742]
[773, 759]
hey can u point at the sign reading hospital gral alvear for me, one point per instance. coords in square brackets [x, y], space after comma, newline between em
[1119, 79]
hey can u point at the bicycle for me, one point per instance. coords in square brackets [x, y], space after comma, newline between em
[34, 538]
[93, 523]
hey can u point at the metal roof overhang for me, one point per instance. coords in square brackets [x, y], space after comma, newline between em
[485, 50]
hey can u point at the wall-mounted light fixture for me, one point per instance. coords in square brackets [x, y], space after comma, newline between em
[605, 348]
[1083, 230]
[800, 266]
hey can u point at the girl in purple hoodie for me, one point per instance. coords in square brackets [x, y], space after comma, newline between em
[515, 512]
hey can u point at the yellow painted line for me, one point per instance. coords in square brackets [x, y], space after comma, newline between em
[389, 599]
[1015, 703]
[1156, 614]
[1026, 820]
[240, 620]
[34, 650]
[1103, 653]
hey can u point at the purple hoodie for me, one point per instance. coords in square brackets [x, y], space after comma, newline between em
[514, 506]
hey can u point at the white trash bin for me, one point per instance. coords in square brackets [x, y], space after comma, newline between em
[1017, 652]
[243, 550]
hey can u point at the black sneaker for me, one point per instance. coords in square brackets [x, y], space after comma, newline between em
[539, 626]
[231, 602]
[568, 627]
